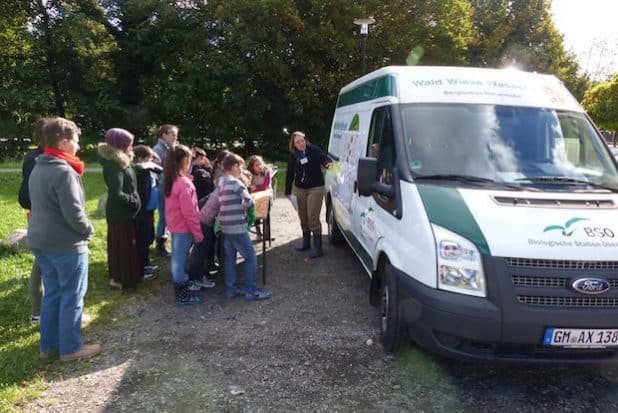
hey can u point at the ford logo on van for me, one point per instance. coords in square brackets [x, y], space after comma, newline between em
[590, 285]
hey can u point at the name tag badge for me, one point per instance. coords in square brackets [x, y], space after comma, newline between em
[303, 161]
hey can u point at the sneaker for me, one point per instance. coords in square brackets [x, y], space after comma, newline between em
[193, 286]
[151, 268]
[87, 351]
[205, 282]
[214, 268]
[149, 276]
[35, 318]
[257, 295]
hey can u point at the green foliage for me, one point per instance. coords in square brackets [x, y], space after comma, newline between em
[601, 102]
[522, 33]
[229, 71]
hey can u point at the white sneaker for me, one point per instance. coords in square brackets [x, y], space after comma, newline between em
[205, 282]
[149, 276]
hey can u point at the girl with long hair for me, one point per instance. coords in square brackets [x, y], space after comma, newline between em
[182, 218]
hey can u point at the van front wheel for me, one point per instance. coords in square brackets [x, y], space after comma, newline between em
[391, 326]
[334, 233]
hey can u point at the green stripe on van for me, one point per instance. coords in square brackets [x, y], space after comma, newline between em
[446, 207]
[373, 89]
[360, 250]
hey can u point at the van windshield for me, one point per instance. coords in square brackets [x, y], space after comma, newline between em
[524, 146]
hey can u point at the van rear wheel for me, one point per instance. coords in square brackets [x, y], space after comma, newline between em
[391, 325]
[334, 233]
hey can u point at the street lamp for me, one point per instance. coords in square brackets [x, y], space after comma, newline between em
[364, 30]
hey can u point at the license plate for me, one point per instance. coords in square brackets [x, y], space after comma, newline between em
[583, 338]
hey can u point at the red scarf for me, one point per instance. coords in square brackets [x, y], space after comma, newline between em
[72, 160]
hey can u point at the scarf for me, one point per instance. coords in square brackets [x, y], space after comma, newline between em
[72, 160]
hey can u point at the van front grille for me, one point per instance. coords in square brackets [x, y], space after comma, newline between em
[551, 282]
[561, 264]
[582, 302]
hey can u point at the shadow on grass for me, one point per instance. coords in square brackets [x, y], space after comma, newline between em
[449, 385]
[20, 364]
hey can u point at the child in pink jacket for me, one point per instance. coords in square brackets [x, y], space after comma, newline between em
[182, 218]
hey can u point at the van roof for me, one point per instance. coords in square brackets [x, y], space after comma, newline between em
[443, 84]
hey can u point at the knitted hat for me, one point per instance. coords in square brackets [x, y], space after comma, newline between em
[119, 138]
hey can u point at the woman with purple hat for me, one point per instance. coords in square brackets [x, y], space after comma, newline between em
[123, 203]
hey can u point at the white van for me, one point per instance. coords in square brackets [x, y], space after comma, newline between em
[483, 205]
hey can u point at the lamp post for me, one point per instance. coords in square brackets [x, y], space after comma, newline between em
[364, 31]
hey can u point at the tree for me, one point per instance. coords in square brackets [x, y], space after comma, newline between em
[58, 63]
[441, 29]
[237, 70]
[522, 33]
[22, 98]
[601, 102]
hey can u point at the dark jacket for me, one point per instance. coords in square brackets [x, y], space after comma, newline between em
[29, 161]
[143, 174]
[59, 222]
[308, 175]
[202, 181]
[123, 202]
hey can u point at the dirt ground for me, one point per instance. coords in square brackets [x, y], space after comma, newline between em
[312, 346]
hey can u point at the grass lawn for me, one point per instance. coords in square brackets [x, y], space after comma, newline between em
[22, 374]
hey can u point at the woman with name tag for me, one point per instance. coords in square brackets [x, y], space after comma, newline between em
[304, 170]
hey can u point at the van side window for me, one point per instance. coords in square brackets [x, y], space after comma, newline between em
[381, 144]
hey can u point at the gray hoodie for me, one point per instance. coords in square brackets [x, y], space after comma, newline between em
[59, 222]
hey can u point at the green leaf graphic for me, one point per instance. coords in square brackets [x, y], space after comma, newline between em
[574, 220]
[554, 227]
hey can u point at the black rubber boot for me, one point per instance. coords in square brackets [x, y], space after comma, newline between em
[306, 241]
[317, 244]
[161, 251]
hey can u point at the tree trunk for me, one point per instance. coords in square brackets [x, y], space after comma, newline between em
[51, 61]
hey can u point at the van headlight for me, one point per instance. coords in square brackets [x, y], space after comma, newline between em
[460, 269]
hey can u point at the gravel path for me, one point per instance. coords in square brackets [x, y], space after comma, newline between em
[311, 347]
[304, 349]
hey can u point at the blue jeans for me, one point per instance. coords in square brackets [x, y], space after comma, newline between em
[241, 243]
[181, 243]
[202, 252]
[161, 208]
[65, 280]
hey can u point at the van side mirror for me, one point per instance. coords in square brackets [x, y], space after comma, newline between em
[366, 175]
[367, 179]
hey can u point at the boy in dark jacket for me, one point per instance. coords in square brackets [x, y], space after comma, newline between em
[203, 252]
[146, 172]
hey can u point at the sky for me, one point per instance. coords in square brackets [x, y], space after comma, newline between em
[591, 32]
